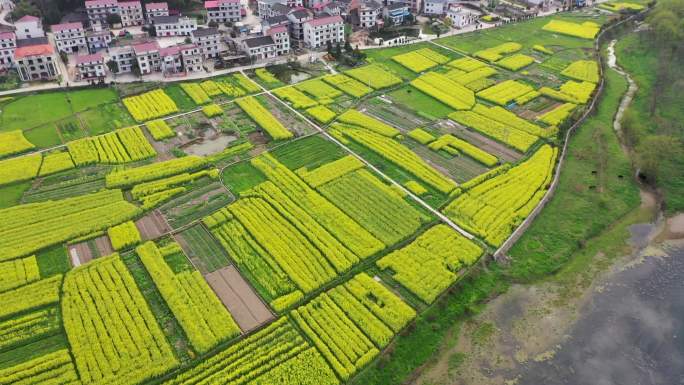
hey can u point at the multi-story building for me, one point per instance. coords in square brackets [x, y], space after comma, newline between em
[28, 27]
[281, 37]
[264, 6]
[460, 17]
[208, 41]
[131, 13]
[318, 32]
[69, 37]
[435, 7]
[223, 11]
[98, 11]
[274, 21]
[262, 47]
[174, 25]
[298, 18]
[396, 13]
[366, 14]
[8, 43]
[180, 59]
[147, 56]
[277, 9]
[124, 57]
[35, 59]
[91, 66]
[156, 9]
[98, 40]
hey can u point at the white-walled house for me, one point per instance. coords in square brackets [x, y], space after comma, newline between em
[262, 47]
[131, 13]
[28, 27]
[460, 17]
[91, 66]
[8, 44]
[318, 32]
[281, 37]
[174, 25]
[208, 40]
[69, 37]
[156, 9]
[99, 10]
[36, 61]
[435, 7]
[223, 11]
[98, 40]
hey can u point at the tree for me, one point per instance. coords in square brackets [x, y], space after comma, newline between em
[656, 154]
[23, 8]
[338, 51]
[329, 47]
[65, 58]
[347, 47]
[113, 66]
[113, 18]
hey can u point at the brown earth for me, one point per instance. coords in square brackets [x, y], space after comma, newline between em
[152, 226]
[239, 298]
[80, 254]
[104, 246]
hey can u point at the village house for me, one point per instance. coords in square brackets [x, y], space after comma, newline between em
[208, 40]
[124, 57]
[69, 37]
[298, 18]
[223, 11]
[460, 17]
[28, 27]
[35, 59]
[174, 25]
[98, 11]
[281, 37]
[262, 47]
[131, 13]
[91, 66]
[318, 32]
[98, 40]
[397, 13]
[8, 43]
[153, 10]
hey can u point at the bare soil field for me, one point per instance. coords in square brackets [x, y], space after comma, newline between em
[152, 226]
[104, 246]
[239, 298]
[80, 253]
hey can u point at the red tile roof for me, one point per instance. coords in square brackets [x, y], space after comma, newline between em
[33, 50]
[154, 6]
[130, 4]
[278, 29]
[146, 47]
[7, 35]
[324, 21]
[65, 26]
[27, 18]
[96, 57]
[211, 4]
[93, 3]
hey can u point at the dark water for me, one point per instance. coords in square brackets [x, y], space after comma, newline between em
[631, 333]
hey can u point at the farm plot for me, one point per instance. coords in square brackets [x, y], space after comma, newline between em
[150, 105]
[34, 226]
[152, 226]
[492, 208]
[204, 319]
[276, 353]
[18, 273]
[432, 262]
[239, 298]
[99, 339]
[375, 76]
[202, 249]
[55, 368]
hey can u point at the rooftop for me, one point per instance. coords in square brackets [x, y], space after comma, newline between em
[204, 32]
[32, 41]
[27, 18]
[130, 4]
[324, 21]
[66, 26]
[99, 3]
[276, 19]
[7, 35]
[259, 41]
[146, 47]
[172, 19]
[96, 57]
[278, 29]
[300, 13]
[156, 6]
[33, 50]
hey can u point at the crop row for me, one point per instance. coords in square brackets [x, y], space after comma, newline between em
[196, 93]
[368, 122]
[558, 114]
[515, 62]
[400, 156]
[30, 227]
[375, 76]
[374, 205]
[266, 76]
[13, 142]
[298, 99]
[114, 336]
[124, 235]
[20, 329]
[212, 110]
[56, 162]
[150, 105]
[330, 171]
[431, 263]
[454, 146]
[18, 273]
[20, 168]
[504, 92]
[52, 368]
[495, 207]
[121, 146]
[149, 188]
[583, 70]
[321, 114]
[264, 118]
[33, 295]
[132, 176]
[202, 316]
[520, 140]
[159, 129]
[509, 118]
[495, 53]
[445, 90]
[586, 30]
[324, 93]
[348, 85]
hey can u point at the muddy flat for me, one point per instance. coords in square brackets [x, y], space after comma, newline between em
[152, 226]
[239, 298]
[80, 253]
[104, 246]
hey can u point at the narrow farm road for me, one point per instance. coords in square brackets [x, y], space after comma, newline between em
[439, 215]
